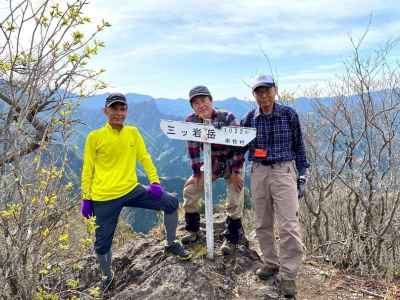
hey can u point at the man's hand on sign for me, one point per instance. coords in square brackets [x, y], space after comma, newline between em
[237, 182]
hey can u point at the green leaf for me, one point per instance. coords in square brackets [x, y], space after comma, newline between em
[77, 36]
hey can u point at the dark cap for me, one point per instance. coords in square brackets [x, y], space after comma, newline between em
[114, 98]
[199, 90]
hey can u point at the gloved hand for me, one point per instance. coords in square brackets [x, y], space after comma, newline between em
[86, 208]
[301, 186]
[155, 190]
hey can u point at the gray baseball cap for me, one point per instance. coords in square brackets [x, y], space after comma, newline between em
[199, 90]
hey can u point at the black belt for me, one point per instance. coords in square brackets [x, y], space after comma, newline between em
[268, 162]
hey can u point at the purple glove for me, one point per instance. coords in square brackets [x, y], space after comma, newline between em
[155, 190]
[86, 208]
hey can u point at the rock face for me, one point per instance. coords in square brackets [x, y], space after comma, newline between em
[142, 271]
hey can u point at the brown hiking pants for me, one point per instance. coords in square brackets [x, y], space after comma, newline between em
[234, 201]
[275, 199]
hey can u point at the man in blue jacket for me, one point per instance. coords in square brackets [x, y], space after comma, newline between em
[277, 181]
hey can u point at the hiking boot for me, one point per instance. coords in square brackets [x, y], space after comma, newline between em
[227, 247]
[106, 282]
[176, 249]
[266, 272]
[192, 237]
[287, 287]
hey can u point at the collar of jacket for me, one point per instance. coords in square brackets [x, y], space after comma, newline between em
[276, 111]
[109, 127]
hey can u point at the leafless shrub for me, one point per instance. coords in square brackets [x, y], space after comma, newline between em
[43, 58]
[351, 211]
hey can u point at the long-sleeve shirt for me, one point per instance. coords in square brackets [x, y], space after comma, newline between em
[279, 134]
[222, 156]
[109, 163]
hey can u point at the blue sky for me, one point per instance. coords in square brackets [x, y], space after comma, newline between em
[163, 48]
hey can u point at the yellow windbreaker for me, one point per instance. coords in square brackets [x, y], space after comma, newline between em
[109, 163]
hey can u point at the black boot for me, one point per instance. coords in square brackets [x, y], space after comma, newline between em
[232, 234]
[106, 271]
[192, 221]
[193, 228]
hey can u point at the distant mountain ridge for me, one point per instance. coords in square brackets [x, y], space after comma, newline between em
[181, 107]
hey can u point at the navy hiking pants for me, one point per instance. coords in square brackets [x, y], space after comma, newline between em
[107, 213]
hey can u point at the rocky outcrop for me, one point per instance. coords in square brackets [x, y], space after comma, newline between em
[142, 271]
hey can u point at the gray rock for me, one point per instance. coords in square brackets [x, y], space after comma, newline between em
[142, 271]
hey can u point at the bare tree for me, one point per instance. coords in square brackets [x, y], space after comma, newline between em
[352, 208]
[43, 73]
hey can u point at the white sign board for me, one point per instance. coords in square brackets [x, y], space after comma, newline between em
[188, 131]
[208, 134]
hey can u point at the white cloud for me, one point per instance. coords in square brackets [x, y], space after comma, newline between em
[240, 27]
[234, 32]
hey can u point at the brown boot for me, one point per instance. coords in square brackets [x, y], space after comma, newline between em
[288, 287]
[266, 272]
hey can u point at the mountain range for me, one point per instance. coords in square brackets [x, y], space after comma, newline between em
[181, 107]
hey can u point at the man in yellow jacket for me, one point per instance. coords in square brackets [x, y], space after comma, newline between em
[109, 182]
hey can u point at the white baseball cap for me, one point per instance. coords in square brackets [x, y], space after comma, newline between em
[262, 80]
